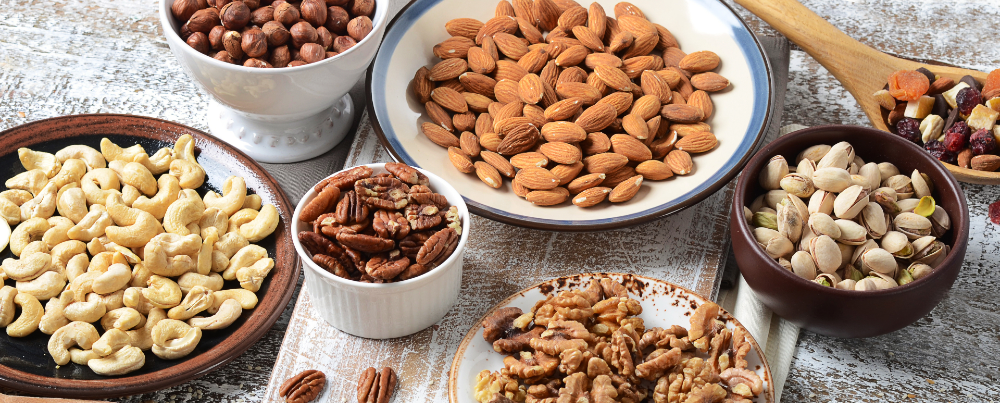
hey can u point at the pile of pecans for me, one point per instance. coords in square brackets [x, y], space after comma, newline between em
[279, 33]
[590, 345]
[379, 228]
[955, 122]
[591, 108]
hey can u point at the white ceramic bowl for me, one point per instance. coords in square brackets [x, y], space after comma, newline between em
[382, 311]
[279, 115]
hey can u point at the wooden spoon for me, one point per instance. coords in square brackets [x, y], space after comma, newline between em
[861, 69]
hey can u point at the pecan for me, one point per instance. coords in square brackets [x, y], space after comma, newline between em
[407, 174]
[322, 203]
[332, 265]
[423, 216]
[345, 180]
[317, 244]
[412, 243]
[387, 266]
[390, 225]
[438, 247]
[304, 387]
[414, 270]
[364, 243]
[383, 192]
[423, 195]
[351, 209]
[376, 387]
[453, 220]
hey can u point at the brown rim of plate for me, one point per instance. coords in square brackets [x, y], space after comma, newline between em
[616, 224]
[261, 318]
[475, 330]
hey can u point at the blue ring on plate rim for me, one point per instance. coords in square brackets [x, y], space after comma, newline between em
[757, 61]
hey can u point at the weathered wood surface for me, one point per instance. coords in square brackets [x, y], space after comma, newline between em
[71, 56]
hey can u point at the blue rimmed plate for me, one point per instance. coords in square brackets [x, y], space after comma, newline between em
[742, 112]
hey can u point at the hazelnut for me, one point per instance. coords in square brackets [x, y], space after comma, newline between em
[215, 37]
[184, 32]
[251, 62]
[342, 43]
[277, 3]
[252, 4]
[294, 53]
[262, 15]
[280, 57]
[224, 56]
[312, 52]
[303, 33]
[204, 20]
[336, 20]
[325, 38]
[296, 63]
[363, 7]
[220, 3]
[254, 43]
[199, 41]
[331, 54]
[235, 15]
[183, 9]
[313, 11]
[338, 3]
[359, 28]
[233, 42]
[276, 33]
[286, 14]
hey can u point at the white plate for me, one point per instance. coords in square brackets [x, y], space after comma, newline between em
[663, 305]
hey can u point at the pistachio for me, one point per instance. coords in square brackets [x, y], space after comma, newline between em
[897, 244]
[907, 205]
[846, 252]
[821, 202]
[866, 284]
[757, 203]
[798, 205]
[860, 251]
[919, 270]
[861, 181]
[806, 167]
[773, 197]
[887, 170]
[871, 172]
[904, 277]
[804, 241]
[851, 233]
[852, 273]
[850, 202]
[927, 249]
[823, 224]
[853, 168]
[785, 263]
[940, 222]
[814, 153]
[901, 184]
[847, 284]
[775, 244]
[925, 206]
[803, 266]
[768, 210]
[913, 225]
[831, 179]
[840, 156]
[874, 220]
[789, 222]
[880, 261]
[772, 173]
[823, 281]
[765, 220]
[797, 184]
[748, 215]
[883, 281]
[919, 184]
[825, 253]
[827, 279]
[886, 197]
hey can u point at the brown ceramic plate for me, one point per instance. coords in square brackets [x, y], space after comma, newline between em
[25, 363]
[663, 304]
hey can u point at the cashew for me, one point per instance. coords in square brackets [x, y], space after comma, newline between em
[189, 174]
[169, 254]
[100, 183]
[204, 265]
[38, 160]
[140, 274]
[72, 171]
[72, 204]
[111, 301]
[7, 294]
[82, 357]
[173, 339]
[93, 225]
[159, 162]
[188, 281]
[35, 247]
[27, 268]
[31, 316]
[252, 202]
[116, 278]
[241, 217]
[64, 251]
[121, 319]
[133, 298]
[76, 266]
[101, 262]
[82, 285]
[10, 213]
[247, 256]
[135, 227]
[112, 341]
[199, 299]
[162, 292]
[57, 232]
[188, 209]
[219, 261]
[53, 319]
[184, 148]
[99, 245]
[142, 337]
[88, 311]
[18, 196]
[214, 217]
[88, 155]
[263, 225]
[228, 312]
[46, 286]
[253, 276]
[32, 181]
[234, 192]
[26, 232]
[82, 334]
[130, 194]
[168, 191]
[230, 243]
[43, 205]
[247, 299]
[135, 174]
[123, 361]
[112, 152]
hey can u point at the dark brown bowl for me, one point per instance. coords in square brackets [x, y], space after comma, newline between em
[842, 313]
[25, 363]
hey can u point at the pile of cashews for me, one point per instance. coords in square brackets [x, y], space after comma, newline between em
[106, 242]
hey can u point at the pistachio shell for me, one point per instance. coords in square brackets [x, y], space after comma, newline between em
[886, 197]
[919, 270]
[773, 197]
[940, 222]
[847, 284]
[904, 277]
[901, 184]
[883, 281]
[765, 220]
[797, 184]
[897, 244]
[757, 203]
[874, 220]
[925, 206]
[827, 279]
[748, 215]
[846, 251]
[804, 242]
[822, 202]
[920, 186]
[850, 202]
[913, 225]
[775, 245]
[831, 179]
[814, 153]
[789, 222]
[886, 170]
[861, 181]
[853, 168]
[859, 251]
[850, 272]
[785, 264]
[927, 249]
[840, 156]
[870, 171]
[879, 260]
[825, 253]
[803, 266]
[764, 235]
[851, 233]
[768, 210]
[806, 167]
[866, 284]
[772, 173]
[907, 205]
[823, 224]
[799, 205]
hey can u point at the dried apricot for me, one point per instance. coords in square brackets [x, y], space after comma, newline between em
[908, 85]
[992, 87]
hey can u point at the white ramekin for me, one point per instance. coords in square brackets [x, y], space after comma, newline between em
[382, 311]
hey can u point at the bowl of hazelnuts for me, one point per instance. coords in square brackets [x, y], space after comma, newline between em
[279, 71]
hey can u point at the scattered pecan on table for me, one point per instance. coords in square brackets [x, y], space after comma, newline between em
[304, 387]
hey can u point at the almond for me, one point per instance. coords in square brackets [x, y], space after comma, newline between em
[596, 19]
[638, 26]
[630, 147]
[679, 162]
[626, 8]
[697, 143]
[438, 115]
[604, 162]
[490, 141]
[512, 110]
[488, 174]
[563, 110]
[944, 84]
[519, 190]
[469, 144]
[662, 146]
[522, 9]
[534, 61]
[699, 62]
[701, 100]
[460, 160]
[478, 83]
[572, 56]
[572, 75]
[529, 31]
[537, 178]
[439, 135]
[621, 41]
[567, 132]
[448, 69]
[480, 62]
[508, 70]
[617, 176]
[709, 81]
[464, 27]
[588, 38]
[612, 77]
[587, 93]
[550, 73]
[670, 77]
[510, 45]
[452, 84]
[518, 140]
[567, 172]
[626, 190]
[597, 117]
[684, 86]
[592, 196]
[450, 99]
[642, 45]
[505, 24]
[422, 85]
[684, 129]
[672, 56]
[490, 48]
[560, 153]
[530, 89]
[667, 39]
[456, 46]
[463, 122]
[622, 101]
[484, 124]
[572, 17]
[506, 126]
[596, 82]
[646, 107]
[477, 103]
[653, 84]
[506, 91]
[505, 9]
[655, 131]
[585, 182]
[499, 162]
[678, 98]
[596, 143]
[635, 66]
[529, 159]
[535, 113]
[985, 162]
[547, 197]
[654, 170]
[636, 129]
[546, 14]
[681, 113]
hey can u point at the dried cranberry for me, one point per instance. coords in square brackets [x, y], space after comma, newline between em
[967, 99]
[909, 129]
[982, 142]
[995, 212]
[956, 138]
[938, 150]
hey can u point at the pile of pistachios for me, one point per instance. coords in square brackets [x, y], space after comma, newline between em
[840, 222]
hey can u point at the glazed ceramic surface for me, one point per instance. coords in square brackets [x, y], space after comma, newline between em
[382, 311]
[25, 363]
[836, 312]
[741, 112]
[278, 115]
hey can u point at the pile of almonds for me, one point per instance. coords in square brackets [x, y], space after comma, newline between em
[590, 108]
[279, 33]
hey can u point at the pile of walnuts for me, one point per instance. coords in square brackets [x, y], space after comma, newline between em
[262, 33]
[589, 344]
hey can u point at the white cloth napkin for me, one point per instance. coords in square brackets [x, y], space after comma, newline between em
[776, 336]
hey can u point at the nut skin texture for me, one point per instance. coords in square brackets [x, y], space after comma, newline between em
[276, 33]
[363, 7]
[199, 41]
[183, 9]
[304, 387]
[314, 12]
[286, 14]
[235, 15]
[223, 56]
[215, 37]
[232, 41]
[204, 20]
[342, 43]
[336, 20]
[359, 28]
[324, 38]
[312, 53]
[262, 15]
[303, 33]
[254, 43]
[251, 62]
[280, 56]
[376, 386]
